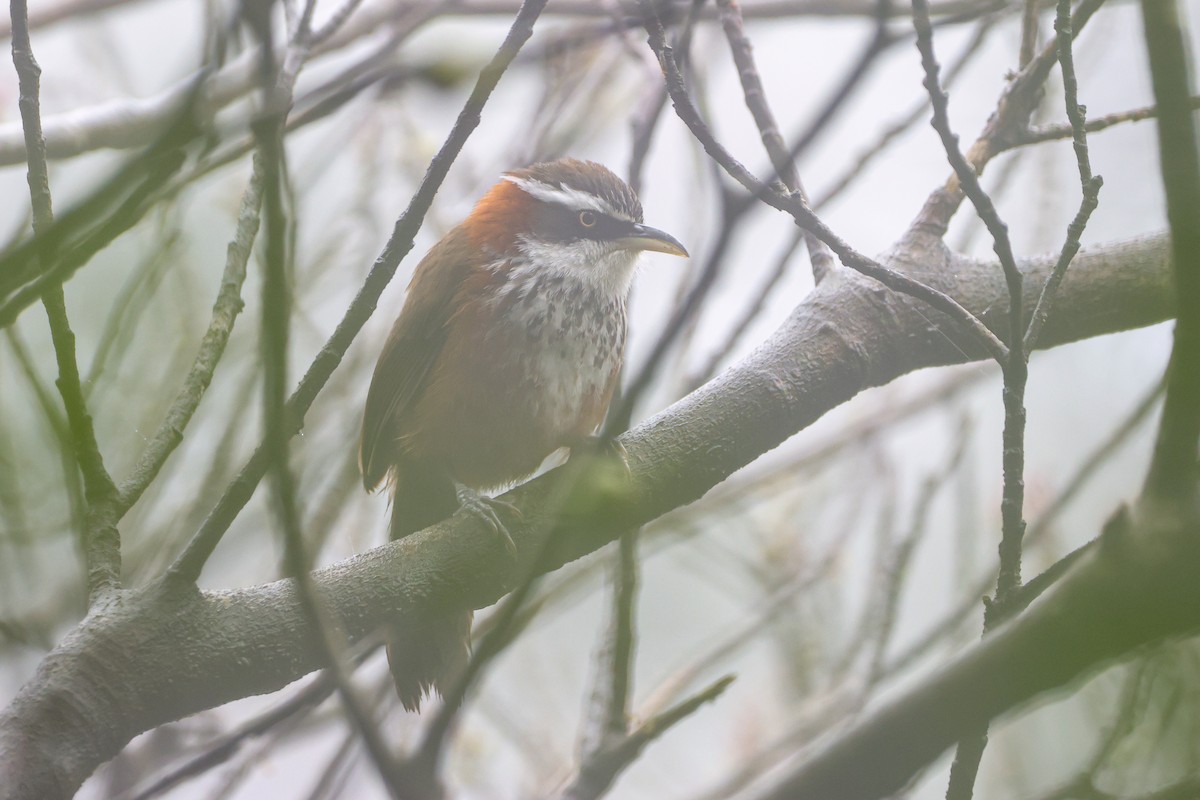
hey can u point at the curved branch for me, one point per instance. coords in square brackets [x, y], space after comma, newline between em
[167, 651]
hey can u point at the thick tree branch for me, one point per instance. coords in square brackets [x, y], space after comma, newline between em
[171, 650]
[1134, 589]
[1174, 472]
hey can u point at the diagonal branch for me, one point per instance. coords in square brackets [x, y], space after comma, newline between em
[756, 100]
[798, 209]
[101, 541]
[162, 654]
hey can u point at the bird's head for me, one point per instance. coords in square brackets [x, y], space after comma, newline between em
[575, 218]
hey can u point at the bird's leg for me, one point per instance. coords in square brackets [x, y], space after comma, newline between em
[487, 509]
[602, 447]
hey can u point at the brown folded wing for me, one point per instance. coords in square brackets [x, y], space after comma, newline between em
[408, 357]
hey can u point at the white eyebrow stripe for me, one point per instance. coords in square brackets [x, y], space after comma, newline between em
[564, 196]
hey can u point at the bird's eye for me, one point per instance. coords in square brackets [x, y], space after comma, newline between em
[587, 219]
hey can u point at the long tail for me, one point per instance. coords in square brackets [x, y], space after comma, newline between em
[434, 650]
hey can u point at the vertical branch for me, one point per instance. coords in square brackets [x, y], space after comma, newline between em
[1015, 369]
[1014, 365]
[1029, 32]
[1077, 114]
[276, 318]
[1174, 472]
[609, 743]
[101, 540]
[608, 718]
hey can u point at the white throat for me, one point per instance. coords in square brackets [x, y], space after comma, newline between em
[597, 265]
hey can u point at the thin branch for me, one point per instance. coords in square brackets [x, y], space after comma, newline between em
[134, 122]
[229, 744]
[225, 311]
[759, 9]
[1015, 370]
[1029, 32]
[799, 210]
[607, 720]
[129, 307]
[841, 93]
[756, 100]
[1089, 465]
[901, 555]
[101, 540]
[915, 115]
[64, 10]
[27, 270]
[749, 314]
[1053, 133]
[1090, 184]
[645, 123]
[331, 784]
[1006, 125]
[967, 176]
[597, 774]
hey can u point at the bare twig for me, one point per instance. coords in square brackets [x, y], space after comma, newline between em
[129, 306]
[607, 720]
[1029, 32]
[881, 39]
[897, 128]
[1015, 370]
[27, 270]
[64, 10]
[756, 100]
[1089, 465]
[221, 751]
[901, 556]
[1053, 133]
[749, 314]
[799, 210]
[1090, 184]
[645, 122]
[333, 778]
[598, 774]
[276, 321]
[101, 540]
[967, 176]
[225, 312]
[1006, 125]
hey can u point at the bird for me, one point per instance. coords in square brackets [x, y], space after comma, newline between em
[508, 348]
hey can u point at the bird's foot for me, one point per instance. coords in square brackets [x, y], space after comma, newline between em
[488, 509]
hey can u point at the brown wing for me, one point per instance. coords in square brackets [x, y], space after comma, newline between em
[410, 352]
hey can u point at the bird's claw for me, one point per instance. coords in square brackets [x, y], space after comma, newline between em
[488, 510]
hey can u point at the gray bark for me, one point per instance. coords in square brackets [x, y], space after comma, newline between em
[157, 654]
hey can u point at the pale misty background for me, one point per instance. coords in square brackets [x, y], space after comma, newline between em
[706, 575]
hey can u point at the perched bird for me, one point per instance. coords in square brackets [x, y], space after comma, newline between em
[507, 349]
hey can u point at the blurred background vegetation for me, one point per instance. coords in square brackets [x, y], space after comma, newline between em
[825, 576]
